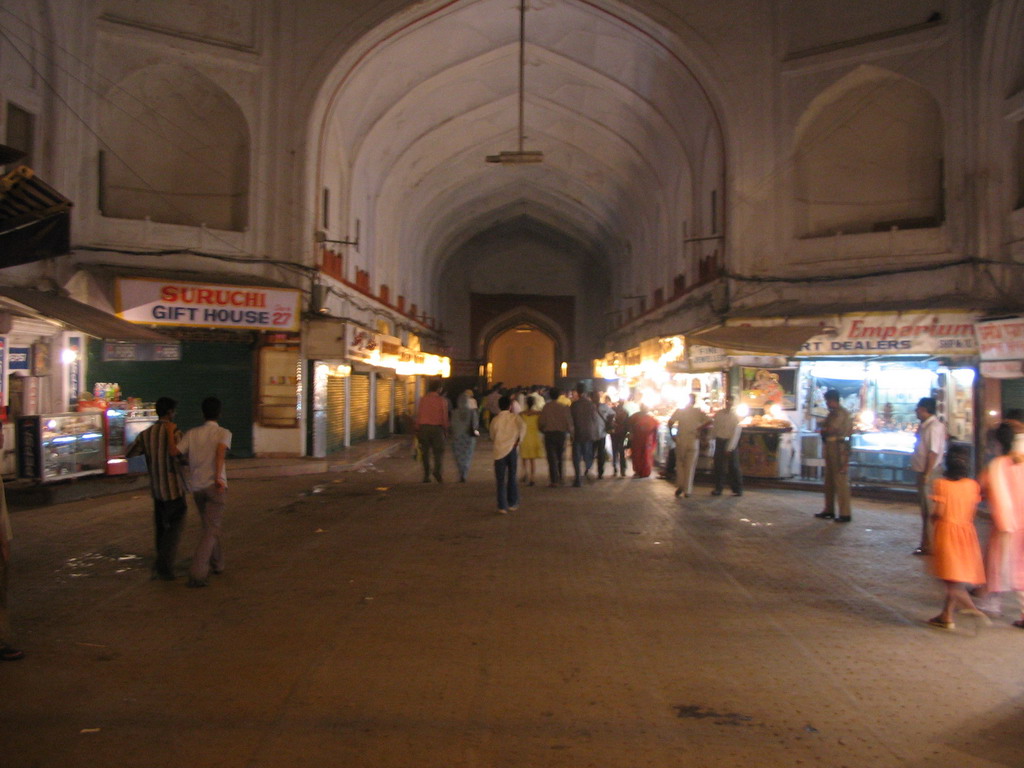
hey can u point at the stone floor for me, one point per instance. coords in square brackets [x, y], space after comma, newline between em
[367, 619]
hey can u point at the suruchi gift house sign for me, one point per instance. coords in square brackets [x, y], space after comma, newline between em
[207, 305]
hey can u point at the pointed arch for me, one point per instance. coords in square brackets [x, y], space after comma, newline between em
[176, 150]
[869, 156]
[523, 316]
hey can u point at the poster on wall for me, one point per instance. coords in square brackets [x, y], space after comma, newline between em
[202, 305]
[762, 387]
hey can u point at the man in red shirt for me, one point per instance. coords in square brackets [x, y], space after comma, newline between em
[431, 429]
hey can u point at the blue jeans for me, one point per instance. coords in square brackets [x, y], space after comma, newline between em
[505, 476]
[582, 451]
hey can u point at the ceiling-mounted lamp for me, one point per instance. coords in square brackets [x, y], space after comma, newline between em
[520, 156]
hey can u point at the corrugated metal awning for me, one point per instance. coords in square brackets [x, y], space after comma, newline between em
[769, 339]
[83, 317]
[35, 219]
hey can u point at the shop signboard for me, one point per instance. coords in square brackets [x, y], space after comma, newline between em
[360, 343]
[136, 352]
[703, 358]
[19, 359]
[202, 305]
[1001, 339]
[897, 333]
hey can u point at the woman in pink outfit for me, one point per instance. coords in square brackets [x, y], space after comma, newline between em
[956, 552]
[1004, 490]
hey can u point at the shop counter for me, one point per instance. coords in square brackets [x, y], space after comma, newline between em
[766, 452]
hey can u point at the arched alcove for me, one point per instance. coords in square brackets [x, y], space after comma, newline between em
[869, 154]
[175, 150]
[522, 356]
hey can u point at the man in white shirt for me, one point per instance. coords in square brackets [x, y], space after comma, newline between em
[689, 421]
[726, 430]
[206, 448]
[929, 449]
[507, 432]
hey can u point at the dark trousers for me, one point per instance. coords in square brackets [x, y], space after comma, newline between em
[582, 453]
[554, 447]
[727, 467]
[431, 438]
[168, 522]
[619, 454]
[600, 455]
[505, 478]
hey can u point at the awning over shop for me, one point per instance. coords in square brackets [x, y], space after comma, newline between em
[82, 317]
[785, 340]
[35, 219]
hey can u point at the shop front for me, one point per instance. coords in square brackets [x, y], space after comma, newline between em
[1001, 351]
[239, 343]
[881, 364]
[365, 384]
[66, 426]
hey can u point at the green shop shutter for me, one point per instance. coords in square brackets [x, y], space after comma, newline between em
[222, 369]
[1013, 394]
[359, 407]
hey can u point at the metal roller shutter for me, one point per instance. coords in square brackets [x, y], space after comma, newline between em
[359, 407]
[384, 389]
[335, 413]
[401, 407]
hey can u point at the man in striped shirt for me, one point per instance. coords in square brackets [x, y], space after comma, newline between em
[166, 484]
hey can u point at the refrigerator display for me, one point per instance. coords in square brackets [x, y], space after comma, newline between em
[124, 423]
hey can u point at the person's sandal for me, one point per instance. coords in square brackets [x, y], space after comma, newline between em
[940, 624]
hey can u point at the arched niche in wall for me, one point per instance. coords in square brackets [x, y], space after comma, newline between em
[869, 157]
[175, 149]
[523, 356]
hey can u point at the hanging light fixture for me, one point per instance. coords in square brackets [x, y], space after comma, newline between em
[521, 155]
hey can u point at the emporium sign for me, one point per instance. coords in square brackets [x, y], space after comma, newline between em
[202, 305]
[904, 333]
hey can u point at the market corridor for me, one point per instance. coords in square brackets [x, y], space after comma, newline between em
[366, 619]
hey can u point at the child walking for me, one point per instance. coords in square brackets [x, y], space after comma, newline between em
[956, 551]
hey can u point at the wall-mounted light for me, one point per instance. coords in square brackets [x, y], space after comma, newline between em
[565, 369]
[68, 356]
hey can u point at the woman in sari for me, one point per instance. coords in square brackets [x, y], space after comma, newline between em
[643, 433]
[465, 426]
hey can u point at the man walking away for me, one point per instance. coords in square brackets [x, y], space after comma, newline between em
[431, 429]
[726, 429]
[555, 423]
[157, 444]
[207, 447]
[688, 421]
[584, 418]
[507, 432]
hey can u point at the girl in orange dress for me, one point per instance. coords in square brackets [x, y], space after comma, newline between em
[956, 551]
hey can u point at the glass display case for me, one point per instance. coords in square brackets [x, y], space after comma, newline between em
[60, 446]
[882, 457]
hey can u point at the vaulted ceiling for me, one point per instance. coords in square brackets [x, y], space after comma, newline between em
[626, 129]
